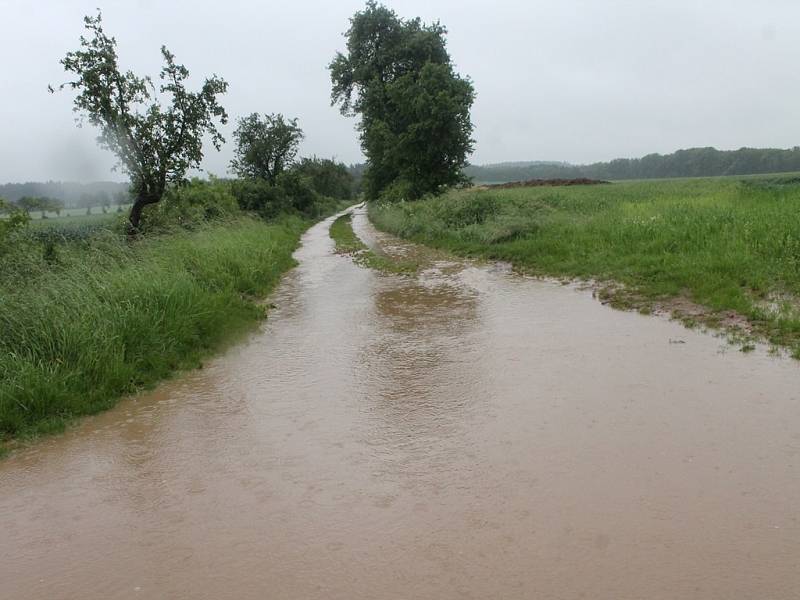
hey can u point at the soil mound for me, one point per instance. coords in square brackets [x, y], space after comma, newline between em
[546, 182]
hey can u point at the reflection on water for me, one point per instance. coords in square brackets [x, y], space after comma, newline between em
[462, 433]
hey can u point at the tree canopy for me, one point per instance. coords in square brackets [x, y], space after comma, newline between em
[265, 147]
[42, 203]
[327, 177]
[156, 134]
[415, 124]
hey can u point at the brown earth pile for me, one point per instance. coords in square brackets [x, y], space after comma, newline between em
[544, 182]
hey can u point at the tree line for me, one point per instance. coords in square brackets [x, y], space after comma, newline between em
[396, 76]
[72, 194]
[691, 162]
[157, 132]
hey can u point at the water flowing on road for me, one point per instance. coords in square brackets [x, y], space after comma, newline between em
[465, 432]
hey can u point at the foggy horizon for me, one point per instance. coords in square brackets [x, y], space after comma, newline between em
[578, 82]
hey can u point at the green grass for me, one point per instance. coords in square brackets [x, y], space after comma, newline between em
[347, 242]
[107, 317]
[730, 244]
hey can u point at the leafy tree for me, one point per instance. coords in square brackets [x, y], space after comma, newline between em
[55, 205]
[415, 126]
[327, 177]
[40, 203]
[155, 142]
[29, 204]
[265, 147]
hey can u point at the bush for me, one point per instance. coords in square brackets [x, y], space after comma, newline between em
[292, 192]
[189, 205]
[298, 189]
[469, 209]
[399, 190]
[258, 196]
[327, 177]
[15, 220]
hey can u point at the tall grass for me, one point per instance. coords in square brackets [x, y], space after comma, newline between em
[104, 318]
[726, 243]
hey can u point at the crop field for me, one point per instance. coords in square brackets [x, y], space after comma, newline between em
[727, 247]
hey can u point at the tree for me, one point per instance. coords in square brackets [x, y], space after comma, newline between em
[327, 177]
[55, 205]
[415, 126]
[29, 204]
[265, 147]
[155, 142]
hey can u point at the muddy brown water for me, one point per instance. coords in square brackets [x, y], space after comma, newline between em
[464, 433]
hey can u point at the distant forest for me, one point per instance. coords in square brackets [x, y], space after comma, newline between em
[74, 195]
[693, 162]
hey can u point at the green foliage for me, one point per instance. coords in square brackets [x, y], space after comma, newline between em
[88, 314]
[327, 177]
[726, 244]
[258, 196]
[293, 192]
[29, 203]
[114, 316]
[190, 205]
[298, 189]
[266, 147]
[14, 220]
[398, 190]
[414, 108]
[40, 203]
[155, 141]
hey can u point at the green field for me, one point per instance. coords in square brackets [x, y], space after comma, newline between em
[104, 316]
[731, 245]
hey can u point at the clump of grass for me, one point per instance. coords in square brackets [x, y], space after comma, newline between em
[725, 243]
[110, 317]
[347, 242]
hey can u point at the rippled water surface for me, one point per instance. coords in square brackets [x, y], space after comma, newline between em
[463, 433]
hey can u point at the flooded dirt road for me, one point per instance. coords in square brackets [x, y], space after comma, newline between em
[463, 433]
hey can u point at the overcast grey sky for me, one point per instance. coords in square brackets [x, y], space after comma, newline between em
[572, 80]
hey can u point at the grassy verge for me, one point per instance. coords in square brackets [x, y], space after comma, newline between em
[347, 242]
[107, 317]
[728, 245]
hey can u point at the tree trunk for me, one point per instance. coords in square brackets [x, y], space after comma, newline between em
[135, 218]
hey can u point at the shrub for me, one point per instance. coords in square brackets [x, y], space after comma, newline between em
[189, 205]
[298, 189]
[327, 177]
[15, 220]
[399, 190]
[470, 209]
[258, 196]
